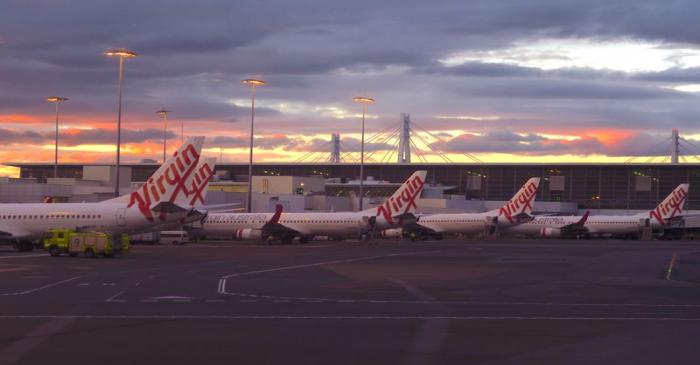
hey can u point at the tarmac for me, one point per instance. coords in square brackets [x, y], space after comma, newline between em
[378, 302]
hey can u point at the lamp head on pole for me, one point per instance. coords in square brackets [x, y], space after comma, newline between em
[363, 100]
[163, 112]
[253, 82]
[123, 53]
[56, 99]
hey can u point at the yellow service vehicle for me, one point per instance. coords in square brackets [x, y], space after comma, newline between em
[91, 244]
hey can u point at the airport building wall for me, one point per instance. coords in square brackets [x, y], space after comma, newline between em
[590, 186]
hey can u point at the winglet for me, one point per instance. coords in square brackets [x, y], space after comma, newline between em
[278, 213]
[583, 219]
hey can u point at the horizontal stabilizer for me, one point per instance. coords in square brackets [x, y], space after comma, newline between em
[168, 207]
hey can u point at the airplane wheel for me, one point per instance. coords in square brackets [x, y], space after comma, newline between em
[287, 240]
[89, 253]
[303, 239]
[54, 251]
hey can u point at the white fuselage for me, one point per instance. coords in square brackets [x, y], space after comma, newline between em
[462, 222]
[598, 225]
[32, 220]
[308, 224]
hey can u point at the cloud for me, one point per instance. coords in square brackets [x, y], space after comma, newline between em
[532, 144]
[318, 55]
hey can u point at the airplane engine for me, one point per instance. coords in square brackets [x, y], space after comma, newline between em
[550, 232]
[392, 233]
[247, 234]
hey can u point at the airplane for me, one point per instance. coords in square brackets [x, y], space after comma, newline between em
[667, 213]
[166, 196]
[287, 226]
[516, 211]
[551, 226]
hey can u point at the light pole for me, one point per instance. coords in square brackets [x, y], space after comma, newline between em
[254, 83]
[164, 113]
[364, 101]
[56, 100]
[122, 54]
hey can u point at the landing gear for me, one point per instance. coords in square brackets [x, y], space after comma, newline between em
[287, 240]
[304, 239]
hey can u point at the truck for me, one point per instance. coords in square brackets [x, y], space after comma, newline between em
[90, 244]
[174, 237]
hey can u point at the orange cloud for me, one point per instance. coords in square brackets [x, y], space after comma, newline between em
[609, 136]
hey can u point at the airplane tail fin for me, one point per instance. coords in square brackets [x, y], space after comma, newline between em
[403, 201]
[519, 208]
[169, 183]
[199, 182]
[672, 206]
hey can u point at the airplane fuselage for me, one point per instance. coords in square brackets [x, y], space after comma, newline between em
[461, 222]
[596, 225]
[31, 220]
[308, 224]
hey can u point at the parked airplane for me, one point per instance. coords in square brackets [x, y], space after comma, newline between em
[164, 197]
[287, 226]
[516, 211]
[551, 226]
[668, 212]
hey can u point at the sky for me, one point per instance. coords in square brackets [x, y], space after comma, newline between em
[498, 81]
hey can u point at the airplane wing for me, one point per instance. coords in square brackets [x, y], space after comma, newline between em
[273, 227]
[577, 227]
[7, 232]
[221, 207]
[411, 224]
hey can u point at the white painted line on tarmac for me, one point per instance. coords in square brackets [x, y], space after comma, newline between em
[222, 281]
[113, 297]
[21, 256]
[215, 301]
[341, 261]
[361, 318]
[40, 288]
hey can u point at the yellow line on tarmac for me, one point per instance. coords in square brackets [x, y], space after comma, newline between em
[9, 269]
[670, 266]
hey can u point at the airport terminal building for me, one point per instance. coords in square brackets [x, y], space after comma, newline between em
[589, 186]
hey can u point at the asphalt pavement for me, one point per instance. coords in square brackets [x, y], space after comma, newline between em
[388, 302]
